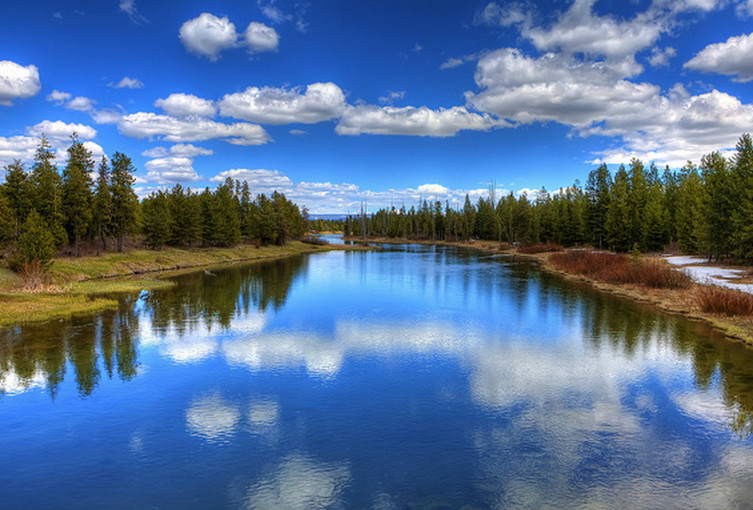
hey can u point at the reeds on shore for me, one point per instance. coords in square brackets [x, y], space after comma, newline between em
[724, 301]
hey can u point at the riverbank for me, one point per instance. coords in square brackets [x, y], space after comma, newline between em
[76, 285]
[677, 301]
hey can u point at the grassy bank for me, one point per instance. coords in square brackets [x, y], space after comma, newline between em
[75, 285]
[653, 283]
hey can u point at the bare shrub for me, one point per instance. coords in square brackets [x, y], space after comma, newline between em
[721, 300]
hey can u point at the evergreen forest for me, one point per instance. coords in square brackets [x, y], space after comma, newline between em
[45, 210]
[702, 209]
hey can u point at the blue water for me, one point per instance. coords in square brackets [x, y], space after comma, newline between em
[415, 377]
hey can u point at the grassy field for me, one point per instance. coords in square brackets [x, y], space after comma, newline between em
[73, 284]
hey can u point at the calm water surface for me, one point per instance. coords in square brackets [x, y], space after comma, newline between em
[417, 377]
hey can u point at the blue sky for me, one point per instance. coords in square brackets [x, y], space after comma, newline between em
[337, 102]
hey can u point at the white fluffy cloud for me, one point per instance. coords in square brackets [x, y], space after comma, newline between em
[16, 147]
[173, 129]
[17, 81]
[61, 131]
[259, 37]
[127, 83]
[734, 57]
[260, 180]
[207, 35]
[660, 57]
[78, 103]
[409, 120]
[184, 105]
[185, 150]
[171, 170]
[579, 31]
[269, 105]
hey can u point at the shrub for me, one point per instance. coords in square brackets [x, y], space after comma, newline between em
[721, 300]
[35, 243]
[540, 248]
[618, 268]
[314, 240]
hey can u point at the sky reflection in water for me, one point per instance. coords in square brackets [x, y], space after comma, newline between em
[415, 377]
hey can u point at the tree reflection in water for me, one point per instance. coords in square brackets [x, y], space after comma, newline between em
[39, 354]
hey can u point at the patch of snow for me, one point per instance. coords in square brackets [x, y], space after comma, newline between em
[710, 275]
[683, 260]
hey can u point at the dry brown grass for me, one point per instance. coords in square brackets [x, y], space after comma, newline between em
[620, 269]
[540, 248]
[720, 300]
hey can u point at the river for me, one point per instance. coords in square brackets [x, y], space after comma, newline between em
[415, 377]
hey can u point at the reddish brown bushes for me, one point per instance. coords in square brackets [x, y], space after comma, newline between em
[540, 248]
[616, 268]
[715, 299]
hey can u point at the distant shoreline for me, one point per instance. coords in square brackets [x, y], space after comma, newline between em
[676, 301]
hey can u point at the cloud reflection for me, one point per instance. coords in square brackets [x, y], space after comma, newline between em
[299, 482]
[212, 418]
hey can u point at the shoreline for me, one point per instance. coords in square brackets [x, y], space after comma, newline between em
[78, 286]
[675, 301]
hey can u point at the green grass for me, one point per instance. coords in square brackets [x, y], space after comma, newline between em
[73, 282]
[18, 308]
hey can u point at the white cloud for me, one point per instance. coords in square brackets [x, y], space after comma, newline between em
[510, 14]
[61, 131]
[127, 83]
[207, 35]
[78, 103]
[185, 150]
[172, 129]
[660, 57]
[409, 120]
[17, 82]
[391, 96]
[269, 105]
[129, 7]
[451, 63]
[745, 9]
[259, 38]
[171, 169]
[553, 87]
[734, 57]
[259, 180]
[578, 31]
[57, 96]
[17, 147]
[433, 189]
[184, 105]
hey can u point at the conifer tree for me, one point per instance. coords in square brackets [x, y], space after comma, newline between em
[47, 191]
[77, 193]
[654, 231]
[742, 164]
[637, 198]
[35, 243]
[618, 222]
[597, 192]
[124, 201]
[156, 220]
[17, 190]
[718, 206]
[7, 222]
[102, 205]
[689, 212]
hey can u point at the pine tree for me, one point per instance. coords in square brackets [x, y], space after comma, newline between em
[124, 201]
[742, 164]
[618, 222]
[228, 227]
[102, 205]
[689, 212]
[17, 190]
[7, 222]
[47, 191]
[597, 192]
[655, 233]
[637, 198]
[35, 243]
[718, 206]
[156, 220]
[77, 193]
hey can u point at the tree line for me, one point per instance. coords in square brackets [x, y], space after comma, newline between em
[45, 209]
[705, 209]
